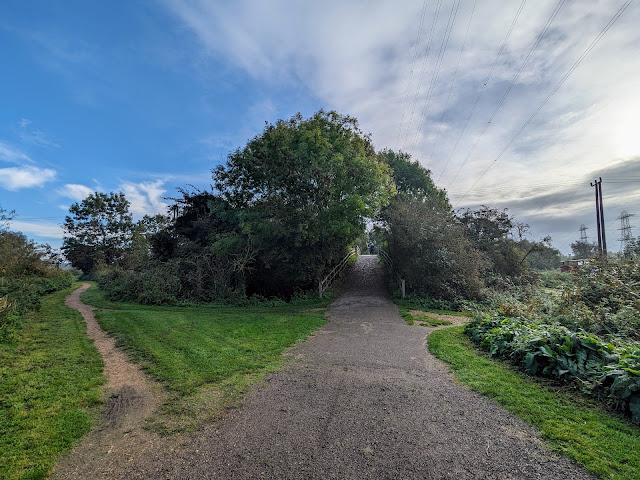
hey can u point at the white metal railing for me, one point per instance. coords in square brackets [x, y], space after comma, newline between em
[387, 259]
[328, 280]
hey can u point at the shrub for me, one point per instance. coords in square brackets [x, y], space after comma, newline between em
[19, 295]
[25, 277]
[600, 368]
[603, 299]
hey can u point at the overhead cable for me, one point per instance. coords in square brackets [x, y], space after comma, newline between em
[555, 89]
[484, 84]
[513, 82]
[413, 61]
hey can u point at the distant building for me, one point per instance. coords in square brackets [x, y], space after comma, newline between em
[573, 265]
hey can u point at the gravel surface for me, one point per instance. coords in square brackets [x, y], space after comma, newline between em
[362, 398]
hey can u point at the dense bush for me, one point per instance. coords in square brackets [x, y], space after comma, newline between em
[554, 278]
[606, 370]
[430, 251]
[197, 279]
[603, 299]
[25, 276]
[426, 301]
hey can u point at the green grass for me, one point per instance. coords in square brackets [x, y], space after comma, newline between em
[49, 389]
[604, 443]
[206, 356]
[424, 319]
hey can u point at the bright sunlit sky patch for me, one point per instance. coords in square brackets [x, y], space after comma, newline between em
[146, 96]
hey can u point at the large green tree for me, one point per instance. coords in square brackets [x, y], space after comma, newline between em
[413, 180]
[426, 242]
[98, 230]
[582, 249]
[305, 188]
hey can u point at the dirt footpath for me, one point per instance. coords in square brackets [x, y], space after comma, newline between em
[131, 398]
[362, 398]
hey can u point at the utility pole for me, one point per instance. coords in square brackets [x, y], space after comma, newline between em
[604, 239]
[598, 217]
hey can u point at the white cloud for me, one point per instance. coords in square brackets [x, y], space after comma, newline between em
[16, 178]
[146, 198]
[357, 57]
[44, 230]
[76, 191]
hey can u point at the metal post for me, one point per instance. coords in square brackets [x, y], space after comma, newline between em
[604, 240]
[598, 217]
[402, 286]
[320, 288]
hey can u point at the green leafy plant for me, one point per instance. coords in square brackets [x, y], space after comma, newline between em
[600, 368]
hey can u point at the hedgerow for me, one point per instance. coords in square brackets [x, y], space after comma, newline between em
[25, 277]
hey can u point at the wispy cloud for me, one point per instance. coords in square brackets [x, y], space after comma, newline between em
[26, 174]
[44, 230]
[34, 136]
[358, 57]
[17, 178]
[10, 154]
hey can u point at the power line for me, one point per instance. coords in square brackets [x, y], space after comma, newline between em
[555, 89]
[413, 61]
[484, 87]
[453, 80]
[422, 70]
[513, 82]
[443, 48]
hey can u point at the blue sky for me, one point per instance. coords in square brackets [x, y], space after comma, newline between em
[147, 96]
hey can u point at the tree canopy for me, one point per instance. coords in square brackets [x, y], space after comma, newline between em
[283, 210]
[305, 188]
[98, 231]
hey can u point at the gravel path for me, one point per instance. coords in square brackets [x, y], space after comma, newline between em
[362, 398]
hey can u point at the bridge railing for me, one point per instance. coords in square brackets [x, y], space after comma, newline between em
[386, 258]
[328, 280]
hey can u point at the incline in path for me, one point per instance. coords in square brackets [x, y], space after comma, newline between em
[363, 398]
[131, 399]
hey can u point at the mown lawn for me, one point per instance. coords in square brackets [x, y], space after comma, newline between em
[206, 356]
[49, 389]
[604, 443]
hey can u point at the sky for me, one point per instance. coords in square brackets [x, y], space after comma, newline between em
[516, 104]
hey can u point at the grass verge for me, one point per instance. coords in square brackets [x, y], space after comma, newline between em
[604, 443]
[206, 356]
[413, 314]
[423, 319]
[49, 389]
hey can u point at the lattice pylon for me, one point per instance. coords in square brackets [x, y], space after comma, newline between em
[583, 233]
[625, 230]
